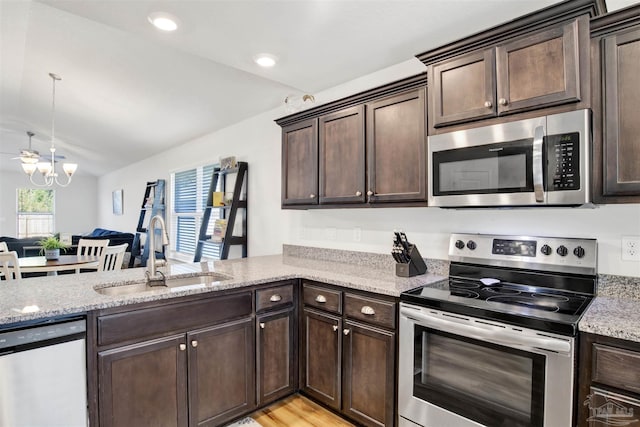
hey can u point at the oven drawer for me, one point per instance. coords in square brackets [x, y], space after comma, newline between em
[616, 367]
[322, 298]
[612, 409]
[267, 299]
[378, 312]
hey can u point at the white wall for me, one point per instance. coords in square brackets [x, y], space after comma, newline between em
[257, 141]
[76, 209]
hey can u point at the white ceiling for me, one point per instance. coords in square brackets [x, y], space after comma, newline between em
[129, 91]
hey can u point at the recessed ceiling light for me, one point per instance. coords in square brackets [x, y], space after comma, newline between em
[265, 60]
[163, 21]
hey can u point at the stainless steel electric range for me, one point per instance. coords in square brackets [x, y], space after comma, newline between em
[495, 344]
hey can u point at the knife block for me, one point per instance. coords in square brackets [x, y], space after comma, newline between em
[414, 267]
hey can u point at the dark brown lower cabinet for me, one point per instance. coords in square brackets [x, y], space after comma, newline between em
[275, 355]
[221, 378]
[348, 356]
[144, 384]
[322, 357]
[368, 374]
[202, 378]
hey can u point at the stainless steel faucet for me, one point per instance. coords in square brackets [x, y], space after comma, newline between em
[152, 271]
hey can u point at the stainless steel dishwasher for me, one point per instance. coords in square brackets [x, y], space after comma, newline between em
[43, 374]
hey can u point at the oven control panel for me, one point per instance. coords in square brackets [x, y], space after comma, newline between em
[569, 255]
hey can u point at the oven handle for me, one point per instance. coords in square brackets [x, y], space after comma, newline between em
[495, 335]
[538, 137]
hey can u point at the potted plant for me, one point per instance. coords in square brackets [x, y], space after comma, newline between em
[51, 247]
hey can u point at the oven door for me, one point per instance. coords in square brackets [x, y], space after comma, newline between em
[459, 371]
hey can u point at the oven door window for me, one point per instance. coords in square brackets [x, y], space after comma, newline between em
[486, 169]
[484, 382]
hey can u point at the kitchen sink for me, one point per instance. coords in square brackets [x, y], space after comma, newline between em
[173, 284]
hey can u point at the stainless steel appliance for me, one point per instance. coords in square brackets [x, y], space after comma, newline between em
[43, 375]
[533, 162]
[495, 344]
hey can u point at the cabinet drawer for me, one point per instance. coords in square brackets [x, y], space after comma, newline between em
[270, 298]
[171, 318]
[607, 408]
[370, 310]
[322, 298]
[616, 367]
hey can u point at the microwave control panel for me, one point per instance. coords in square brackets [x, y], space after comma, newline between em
[563, 161]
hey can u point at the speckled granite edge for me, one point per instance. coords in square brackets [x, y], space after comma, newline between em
[618, 286]
[365, 259]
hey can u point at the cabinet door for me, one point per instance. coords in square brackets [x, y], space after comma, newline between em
[396, 146]
[276, 367]
[539, 70]
[300, 163]
[221, 372]
[342, 156]
[368, 379]
[321, 357]
[621, 174]
[144, 384]
[463, 88]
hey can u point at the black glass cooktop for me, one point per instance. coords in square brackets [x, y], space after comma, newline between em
[511, 297]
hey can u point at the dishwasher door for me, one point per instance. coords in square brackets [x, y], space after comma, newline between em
[43, 376]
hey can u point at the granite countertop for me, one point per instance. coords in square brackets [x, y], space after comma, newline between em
[613, 317]
[43, 297]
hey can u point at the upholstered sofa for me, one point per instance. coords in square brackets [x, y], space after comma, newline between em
[115, 237]
[19, 245]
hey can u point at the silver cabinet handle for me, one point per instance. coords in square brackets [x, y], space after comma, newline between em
[261, 325]
[321, 299]
[358, 193]
[335, 328]
[312, 196]
[538, 136]
[488, 104]
[194, 343]
[183, 347]
[275, 298]
[369, 311]
[346, 331]
[369, 193]
[503, 101]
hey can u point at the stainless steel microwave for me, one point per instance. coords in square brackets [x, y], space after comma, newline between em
[542, 161]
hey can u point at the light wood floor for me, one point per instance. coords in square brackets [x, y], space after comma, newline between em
[298, 411]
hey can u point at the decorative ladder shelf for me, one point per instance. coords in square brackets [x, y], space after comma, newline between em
[229, 212]
[156, 190]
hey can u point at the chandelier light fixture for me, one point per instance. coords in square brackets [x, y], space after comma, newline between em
[48, 169]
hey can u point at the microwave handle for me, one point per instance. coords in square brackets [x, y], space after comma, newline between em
[538, 188]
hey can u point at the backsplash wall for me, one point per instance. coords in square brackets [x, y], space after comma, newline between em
[370, 230]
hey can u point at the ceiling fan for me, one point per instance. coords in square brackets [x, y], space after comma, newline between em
[29, 155]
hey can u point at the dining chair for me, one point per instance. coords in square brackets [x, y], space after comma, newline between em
[4, 247]
[112, 257]
[9, 266]
[91, 247]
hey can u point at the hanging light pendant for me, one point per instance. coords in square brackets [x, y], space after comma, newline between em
[48, 169]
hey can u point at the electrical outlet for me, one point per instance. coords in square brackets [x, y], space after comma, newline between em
[357, 234]
[631, 248]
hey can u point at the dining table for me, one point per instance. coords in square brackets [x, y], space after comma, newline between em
[38, 264]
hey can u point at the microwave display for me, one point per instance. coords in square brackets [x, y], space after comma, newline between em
[563, 161]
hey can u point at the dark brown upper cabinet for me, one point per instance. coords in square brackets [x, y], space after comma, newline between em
[464, 88]
[370, 149]
[396, 148]
[300, 163]
[342, 161]
[540, 69]
[530, 72]
[616, 59]
[540, 61]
